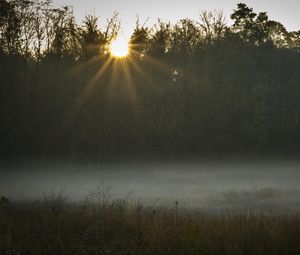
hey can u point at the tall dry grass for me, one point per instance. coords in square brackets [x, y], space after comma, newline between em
[104, 225]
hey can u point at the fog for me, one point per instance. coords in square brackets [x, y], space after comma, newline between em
[204, 185]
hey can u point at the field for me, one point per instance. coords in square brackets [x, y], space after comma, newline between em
[192, 118]
[104, 225]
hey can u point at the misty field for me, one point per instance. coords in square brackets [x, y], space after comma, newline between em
[104, 225]
[191, 127]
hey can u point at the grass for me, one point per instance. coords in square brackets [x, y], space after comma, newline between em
[104, 225]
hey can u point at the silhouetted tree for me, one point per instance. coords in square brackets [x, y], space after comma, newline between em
[189, 89]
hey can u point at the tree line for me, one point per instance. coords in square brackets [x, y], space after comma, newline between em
[195, 88]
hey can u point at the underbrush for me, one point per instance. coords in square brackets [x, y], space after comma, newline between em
[103, 224]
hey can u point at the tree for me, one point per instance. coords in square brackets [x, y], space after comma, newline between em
[139, 40]
[90, 37]
[252, 27]
[213, 26]
[64, 31]
[10, 27]
[95, 41]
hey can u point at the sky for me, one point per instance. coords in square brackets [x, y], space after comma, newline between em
[286, 12]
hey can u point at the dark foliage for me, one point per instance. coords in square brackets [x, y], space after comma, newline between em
[193, 89]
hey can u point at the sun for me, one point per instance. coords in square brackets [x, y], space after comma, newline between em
[119, 48]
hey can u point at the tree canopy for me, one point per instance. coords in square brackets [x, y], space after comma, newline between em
[196, 88]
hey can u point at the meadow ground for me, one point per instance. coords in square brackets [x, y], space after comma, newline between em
[102, 225]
